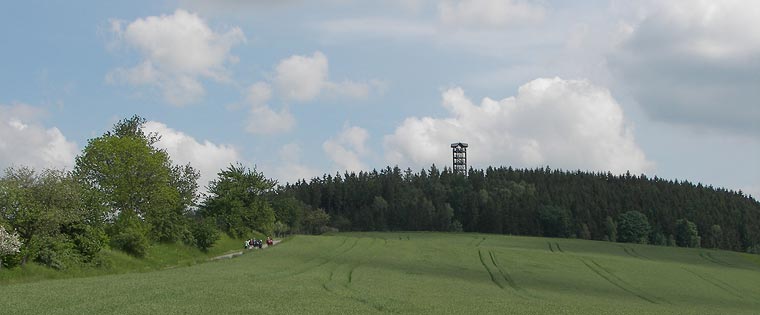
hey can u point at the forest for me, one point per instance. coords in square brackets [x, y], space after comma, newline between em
[124, 193]
[537, 202]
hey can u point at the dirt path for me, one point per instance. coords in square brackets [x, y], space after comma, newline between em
[238, 253]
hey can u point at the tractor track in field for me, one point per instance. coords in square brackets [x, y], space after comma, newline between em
[310, 264]
[499, 276]
[709, 257]
[718, 284]
[504, 274]
[613, 279]
[480, 242]
[340, 286]
[558, 248]
[550, 247]
[633, 253]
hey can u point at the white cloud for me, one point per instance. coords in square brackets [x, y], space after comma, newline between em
[259, 93]
[489, 13]
[570, 124]
[694, 63]
[347, 149]
[263, 120]
[290, 169]
[301, 78]
[206, 157]
[304, 78]
[24, 141]
[178, 51]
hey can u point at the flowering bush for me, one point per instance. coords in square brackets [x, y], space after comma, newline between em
[9, 243]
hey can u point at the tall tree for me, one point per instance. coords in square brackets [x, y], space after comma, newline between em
[132, 180]
[237, 200]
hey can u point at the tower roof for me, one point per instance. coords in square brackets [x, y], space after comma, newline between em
[459, 144]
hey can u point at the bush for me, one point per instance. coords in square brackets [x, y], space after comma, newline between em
[555, 221]
[205, 234]
[55, 251]
[687, 234]
[131, 240]
[633, 227]
[90, 241]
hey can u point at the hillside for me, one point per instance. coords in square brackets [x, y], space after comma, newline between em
[414, 273]
[503, 200]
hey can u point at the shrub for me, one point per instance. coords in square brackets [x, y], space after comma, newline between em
[555, 221]
[687, 234]
[55, 251]
[633, 227]
[132, 241]
[205, 234]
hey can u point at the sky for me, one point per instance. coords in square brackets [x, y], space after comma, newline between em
[302, 88]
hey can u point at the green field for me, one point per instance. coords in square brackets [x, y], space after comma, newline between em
[434, 273]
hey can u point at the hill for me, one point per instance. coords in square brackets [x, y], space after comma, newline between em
[432, 273]
[536, 202]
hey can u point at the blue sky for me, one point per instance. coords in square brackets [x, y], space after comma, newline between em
[301, 88]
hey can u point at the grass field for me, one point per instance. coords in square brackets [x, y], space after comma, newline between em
[414, 273]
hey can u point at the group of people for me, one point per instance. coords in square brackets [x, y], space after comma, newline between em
[254, 243]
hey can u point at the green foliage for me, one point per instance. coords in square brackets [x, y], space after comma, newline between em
[56, 251]
[205, 233]
[280, 229]
[754, 249]
[555, 221]
[671, 240]
[584, 232]
[610, 229]
[315, 221]
[129, 234]
[657, 238]
[687, 234]
[238, 203]
[507, 201]
[289, 211]
[124, 174]
[716, 234]
[633, 227]
[53, 221]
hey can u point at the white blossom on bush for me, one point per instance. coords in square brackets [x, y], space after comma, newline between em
[9, 242]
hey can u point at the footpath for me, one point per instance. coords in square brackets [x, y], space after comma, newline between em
[238, 253]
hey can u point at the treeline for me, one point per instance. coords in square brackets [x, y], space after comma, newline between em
[538, 202]
[124, 193]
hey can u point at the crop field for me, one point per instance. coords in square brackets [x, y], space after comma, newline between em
[413, 273]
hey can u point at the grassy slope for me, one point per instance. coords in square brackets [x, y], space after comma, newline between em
[421, 273]
[159, 256]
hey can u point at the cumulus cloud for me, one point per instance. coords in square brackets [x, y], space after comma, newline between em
[347, 149]
[694, 63]
[489, 13]
[178, 51]
[25, 141]
[570, 124]
[304, 78]
[205, 156]
[290, 169]
[262, 119]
